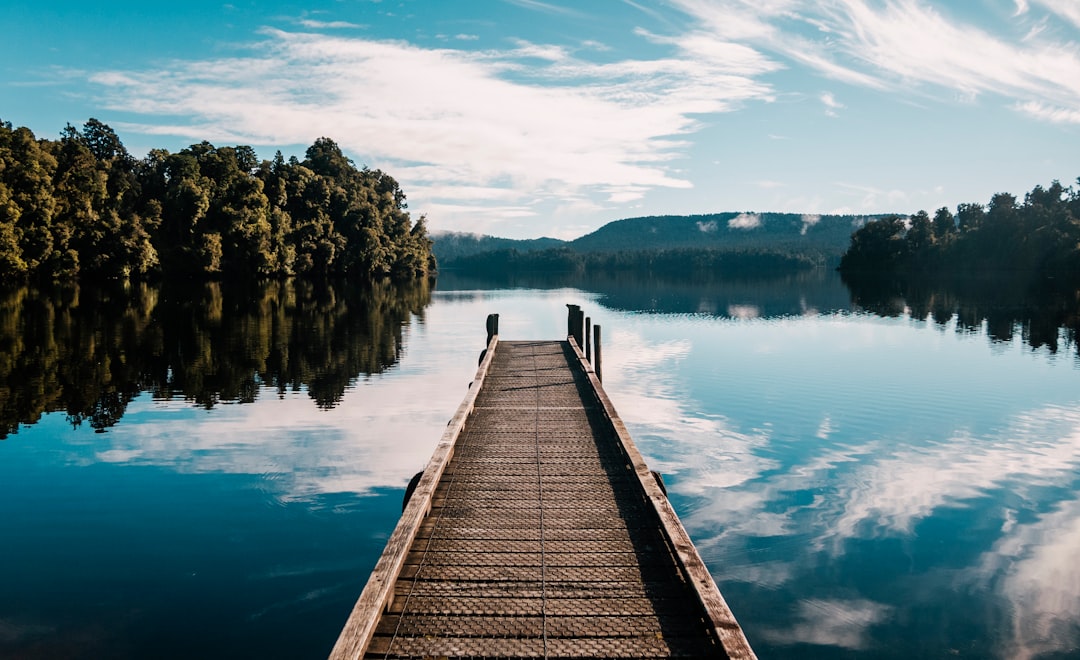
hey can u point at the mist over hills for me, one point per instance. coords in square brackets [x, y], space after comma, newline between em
[821, 237]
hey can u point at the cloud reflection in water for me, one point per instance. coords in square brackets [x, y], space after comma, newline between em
[794, 515]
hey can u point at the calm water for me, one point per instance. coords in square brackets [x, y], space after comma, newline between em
[212, 473]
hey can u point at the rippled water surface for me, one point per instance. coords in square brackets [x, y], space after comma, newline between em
[894, 478]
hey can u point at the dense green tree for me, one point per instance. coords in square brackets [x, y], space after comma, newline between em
[920, 233]
[81, 206]
[1036, 239]
[969, 217]
[877, 244]
[944, 224]
[27, 170]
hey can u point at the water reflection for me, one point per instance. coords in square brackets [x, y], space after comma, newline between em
[868, 473]
[805, 293]
[90, 352]
[870, 485]
[1042, 317]
[1045, 318]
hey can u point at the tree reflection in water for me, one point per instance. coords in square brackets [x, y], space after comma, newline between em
[1043, 315]
[89, 351]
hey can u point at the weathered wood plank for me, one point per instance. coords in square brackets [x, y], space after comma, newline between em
[704, 587]
[537, 530]
[379, 591]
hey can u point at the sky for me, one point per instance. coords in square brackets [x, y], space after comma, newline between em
[528, 118]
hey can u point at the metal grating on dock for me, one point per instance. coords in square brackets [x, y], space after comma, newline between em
[539, 539]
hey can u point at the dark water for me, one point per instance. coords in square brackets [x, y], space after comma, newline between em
[889, 471]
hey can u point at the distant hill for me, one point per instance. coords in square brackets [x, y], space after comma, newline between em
[770, 239]
[828, 235]
[449, 246]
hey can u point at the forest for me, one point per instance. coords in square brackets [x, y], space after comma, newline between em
[82, 207]
[1037, 240]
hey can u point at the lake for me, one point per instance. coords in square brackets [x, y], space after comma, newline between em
[211, 471]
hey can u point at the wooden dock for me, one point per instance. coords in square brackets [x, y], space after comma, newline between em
[537, 530]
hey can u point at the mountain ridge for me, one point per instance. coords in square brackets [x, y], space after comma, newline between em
[825, 235]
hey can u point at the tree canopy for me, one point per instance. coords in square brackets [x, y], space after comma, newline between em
[83, 207]
[1038, 237]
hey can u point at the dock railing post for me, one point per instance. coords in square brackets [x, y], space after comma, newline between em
[588, 339]
[597, 353]
[492, 327]
[571, 316]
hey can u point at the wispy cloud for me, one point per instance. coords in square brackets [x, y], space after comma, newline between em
[546, 7]
[830, 622]
[1067, 9]
[329, 25]
[533, 120]
[561, 127]
[1034, 565]
[904, 45]
[830, 103]
[1049, 113]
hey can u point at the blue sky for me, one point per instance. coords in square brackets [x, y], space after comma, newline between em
[527, 118]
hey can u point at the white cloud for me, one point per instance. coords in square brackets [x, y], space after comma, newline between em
[808, 221]
[899, 45]
[534, 119]
[745, 221]
[1048, 113]
[1036, 569]
[1067, 9]
[830, 103]
[830, 622]
[1039, 448]
[703, 452]
[382, 432]
[825, 429]
[329, 25]
[545, 7]
[709, 227]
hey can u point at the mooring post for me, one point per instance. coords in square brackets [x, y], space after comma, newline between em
[588, 338]
[596, 353]
[492, 327]
[571, 316]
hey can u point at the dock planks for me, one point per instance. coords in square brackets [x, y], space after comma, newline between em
[537, 531]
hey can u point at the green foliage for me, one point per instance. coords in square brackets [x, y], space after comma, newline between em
[1038, 239]
[81, 206]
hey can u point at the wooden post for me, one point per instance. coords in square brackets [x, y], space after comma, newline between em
[596, 353]
[492, 327]
[571, 316]
[588, 338]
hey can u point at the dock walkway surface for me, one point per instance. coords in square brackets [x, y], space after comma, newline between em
[537, 531]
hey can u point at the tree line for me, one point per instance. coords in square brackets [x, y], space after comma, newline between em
[1037, 238]
[89, 351]
[671, 262]
[83, 207]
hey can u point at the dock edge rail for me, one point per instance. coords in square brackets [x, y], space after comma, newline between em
[378, 593]
[725, 627]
